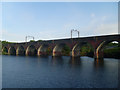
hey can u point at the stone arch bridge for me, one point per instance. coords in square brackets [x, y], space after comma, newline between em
[40, 48]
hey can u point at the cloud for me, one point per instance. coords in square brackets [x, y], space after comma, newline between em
[99, 26]
[107, 29]
[92, 15]
[104, 18]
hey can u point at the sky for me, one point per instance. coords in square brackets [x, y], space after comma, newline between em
[54, 20]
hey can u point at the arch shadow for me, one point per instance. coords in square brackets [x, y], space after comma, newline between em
[31, 51]
[20, 50]
[78, 49]
[12, 51]
[61, 50]
[43, 50]
[4, 51]
[111, 52]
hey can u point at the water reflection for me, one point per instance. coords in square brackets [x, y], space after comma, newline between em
[75, 61]
[43, 56]
[57, 60]
[43, 59]
[98, 63]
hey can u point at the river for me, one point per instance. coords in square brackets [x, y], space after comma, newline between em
[64, 72]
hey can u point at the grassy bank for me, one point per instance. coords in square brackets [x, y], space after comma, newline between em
[112, 53]
[4, 53]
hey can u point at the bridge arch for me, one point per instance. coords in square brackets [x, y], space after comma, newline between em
[5, 50]
[58, 49]
[76, 50]
[42, 50]
[20, 50]
[12, 51]
[31, 50]
[99, 54]
[87, 49]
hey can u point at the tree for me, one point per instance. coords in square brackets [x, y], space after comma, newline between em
[39, 40]
[66, 50]
[32, 40]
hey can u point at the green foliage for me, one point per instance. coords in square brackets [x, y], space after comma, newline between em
[49, 51]
[66, 50]
[5, 50]
[39, 40]
[4, 53]
[5, 42]
[113, 44]
[86, 50]
[32, 40]
[112, 52]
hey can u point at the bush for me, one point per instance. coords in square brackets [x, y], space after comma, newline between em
[32, 40]
[66, 50]
[113, 52]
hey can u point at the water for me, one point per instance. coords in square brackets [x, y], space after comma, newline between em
[49, 72]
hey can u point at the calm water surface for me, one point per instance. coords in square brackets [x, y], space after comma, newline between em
[64, 72]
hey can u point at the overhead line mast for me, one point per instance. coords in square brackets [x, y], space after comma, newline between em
[27, 38]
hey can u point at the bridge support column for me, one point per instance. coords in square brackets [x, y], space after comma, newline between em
[76, 51]
[31, 51]
[97, 46]
[98, 54]
[42, 51]
[20, 51]
[57, 53]
[11, 51]
[98, 51]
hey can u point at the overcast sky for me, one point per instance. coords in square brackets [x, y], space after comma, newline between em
[54, 20]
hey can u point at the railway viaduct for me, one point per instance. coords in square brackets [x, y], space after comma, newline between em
[40, 48]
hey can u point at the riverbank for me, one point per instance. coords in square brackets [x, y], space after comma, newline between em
[112, 53]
